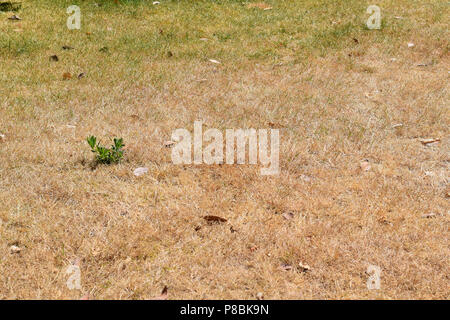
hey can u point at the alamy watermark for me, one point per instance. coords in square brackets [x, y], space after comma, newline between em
[236, 141]
[374, 21]
[74, 21]
[74, 281]
[374, 280]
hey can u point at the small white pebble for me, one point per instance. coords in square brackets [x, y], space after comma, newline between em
[15, 249]
[304, 267]
[140, 171]
[214, 61]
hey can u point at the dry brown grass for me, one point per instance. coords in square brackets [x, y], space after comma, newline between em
[135, 235]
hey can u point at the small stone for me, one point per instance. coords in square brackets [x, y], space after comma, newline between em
[15, 249]
[140, 171]
[286, 267]
[365, 165]
[214, 61]
[260, 296]
[304, 267]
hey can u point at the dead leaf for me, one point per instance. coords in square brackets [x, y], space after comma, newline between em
[260, 5]
[67, 76]
[104, 49]
[274, 125]
[429, 215]
[81, 75]
[135, 117]
[2, 137]
[140, 171]
[214, 219]
[288, 215]
[54, 58]
[15, 18]
[429, 141]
